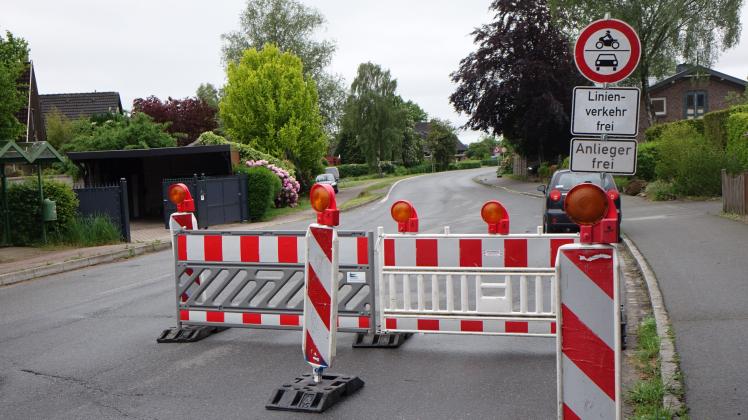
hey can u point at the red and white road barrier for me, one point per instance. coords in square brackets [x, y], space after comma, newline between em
[589, 339]
[517, 251]
[320, 296]
[271, 248]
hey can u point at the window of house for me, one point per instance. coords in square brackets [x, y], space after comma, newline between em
[659, 106]
[695, 104]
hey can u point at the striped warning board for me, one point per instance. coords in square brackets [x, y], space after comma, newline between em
[473, 250]
[320, 296]
[589, 339]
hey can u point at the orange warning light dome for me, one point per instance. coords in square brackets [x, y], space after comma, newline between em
[402, 211]
[586, 204]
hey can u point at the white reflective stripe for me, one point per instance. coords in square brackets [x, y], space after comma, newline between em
[270, 319]
[198, 316]
[315, 327]
[405, 252]
[492, 252]
[539, 327]
[301, 249]
[348, 251]
[494, 326]
[231, 248]
[450, 325]
[348, 322]
[321, 265]
[448, 252]
[538, 252]
[582, 395]
[587, 301]
[233, 318]
[195, 248]
[268, 249]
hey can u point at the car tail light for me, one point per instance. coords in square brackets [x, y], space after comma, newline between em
[555, 195]
[613, 194]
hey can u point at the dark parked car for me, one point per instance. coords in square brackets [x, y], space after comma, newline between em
[327, 179]
[555, 219]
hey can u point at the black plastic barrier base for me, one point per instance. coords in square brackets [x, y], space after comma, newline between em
[187, 334]
[383, 341]
[304, 395]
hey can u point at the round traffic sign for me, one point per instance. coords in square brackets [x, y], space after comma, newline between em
[607, 51]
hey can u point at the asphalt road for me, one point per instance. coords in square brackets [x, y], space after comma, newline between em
[83, 344]
[700, 262]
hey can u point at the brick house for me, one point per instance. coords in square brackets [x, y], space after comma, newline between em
[690, 93]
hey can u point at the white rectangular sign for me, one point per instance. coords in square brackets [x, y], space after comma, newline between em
[612, 111]
[615, 156]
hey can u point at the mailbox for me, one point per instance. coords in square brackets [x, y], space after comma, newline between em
[49, 210]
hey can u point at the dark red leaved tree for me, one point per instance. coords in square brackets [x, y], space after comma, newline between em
[189, 116]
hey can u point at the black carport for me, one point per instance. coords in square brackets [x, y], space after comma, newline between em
[145, 169]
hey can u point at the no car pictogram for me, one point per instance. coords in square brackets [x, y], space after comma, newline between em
[607, 51]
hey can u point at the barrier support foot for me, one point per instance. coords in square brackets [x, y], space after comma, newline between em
[379, 340]
[303, 394]
[187, 333]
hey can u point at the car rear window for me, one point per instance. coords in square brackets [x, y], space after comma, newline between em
[325, 177]
[566, 180]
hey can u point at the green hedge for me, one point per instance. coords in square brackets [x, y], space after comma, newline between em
[468, 164]
[689, 162]
[737, 139]
[353, 169]
[715, 124]
[646, 160]
[654, 132]
[262, 188]
[490, 162]
[25, 212]
[246, 152]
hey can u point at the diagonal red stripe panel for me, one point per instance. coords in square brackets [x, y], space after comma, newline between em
[555, 245]
[319, 297]
[311, 353]
[570, 415]
[599, 270]
[588, 352]
[324, 239]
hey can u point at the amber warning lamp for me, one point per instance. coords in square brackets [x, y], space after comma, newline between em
[496, 217]
[180, 195]
[322, 198]
[405, 215]
[594, 211]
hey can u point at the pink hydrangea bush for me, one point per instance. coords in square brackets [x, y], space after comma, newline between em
[289, 194]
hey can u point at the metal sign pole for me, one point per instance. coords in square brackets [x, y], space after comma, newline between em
[6, 208]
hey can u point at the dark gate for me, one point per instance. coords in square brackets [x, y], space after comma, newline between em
[106, 200]
[218, 200]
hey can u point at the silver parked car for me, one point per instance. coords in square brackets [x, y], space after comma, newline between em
[327, 179]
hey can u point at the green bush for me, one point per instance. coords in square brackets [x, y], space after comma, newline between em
[246, 152]
[715, 124]
[490, 162]
[737, 139]
[25, 212]
[92, 231]
[660, 190]
[467, 164]
[655, 132]
[262, 188]
[387, 167]
[122, 133]
[353, 169]
[422, 168]
[646, 160]
[689, 162]
[544, 171]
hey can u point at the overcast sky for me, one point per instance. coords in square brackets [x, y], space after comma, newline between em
[168, 47]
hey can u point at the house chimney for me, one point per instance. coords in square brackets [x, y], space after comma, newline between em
[681, 68]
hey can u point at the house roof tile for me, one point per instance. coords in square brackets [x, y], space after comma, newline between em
[76, 105]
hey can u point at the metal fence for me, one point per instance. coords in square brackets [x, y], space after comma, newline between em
[734, 196]
[218, 200]
[107, 200]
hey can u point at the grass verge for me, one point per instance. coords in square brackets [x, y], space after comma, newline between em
[647, 394]
[372, 192]
[273, 212]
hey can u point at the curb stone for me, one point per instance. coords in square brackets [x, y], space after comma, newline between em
[507, 189]
[668, 356]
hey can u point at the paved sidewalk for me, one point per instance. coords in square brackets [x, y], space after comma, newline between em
[24, 263]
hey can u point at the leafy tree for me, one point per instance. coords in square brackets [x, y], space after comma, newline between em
[669, 30]
[519, 81]
[441, 142]
[270, 105]
[483, 148]
[415, 112]
[14, 56]
[122, 133]
[347, 148]
[373, 114]
[208, 94]
[412, 144]
[290, 26]
[189, 116]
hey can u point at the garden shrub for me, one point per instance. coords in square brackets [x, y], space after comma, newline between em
[715, 124]
[646, 159]
[25, 211]
[261, 184]
[490, 162]
[544, 171]
[655, 132]
[92, 231]
[246, 152]
[737, 140]
[660, 190]
[421, 168]
[287, 193]
[689, 162]
[353, 169]
[468, 164]
[387, 167]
